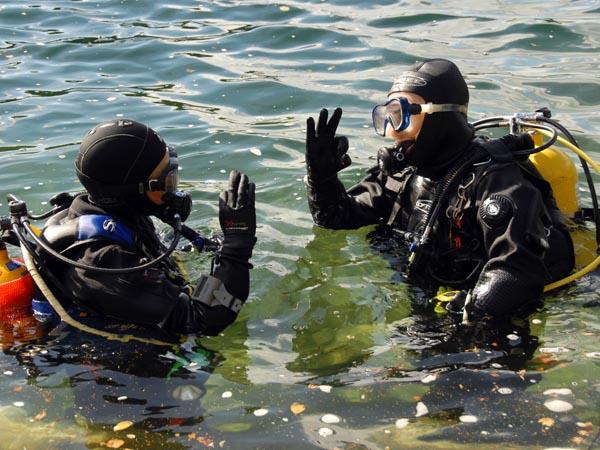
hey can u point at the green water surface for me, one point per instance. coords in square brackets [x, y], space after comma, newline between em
[330, 328]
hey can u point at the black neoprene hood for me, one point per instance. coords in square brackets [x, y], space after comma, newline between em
[436, 80]
[444, 136]
[120, 152]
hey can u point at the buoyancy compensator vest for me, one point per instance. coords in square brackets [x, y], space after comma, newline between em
[63, 234]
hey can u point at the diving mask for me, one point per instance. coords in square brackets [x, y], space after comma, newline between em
[169, 178]
[397, 112]
[174, 201]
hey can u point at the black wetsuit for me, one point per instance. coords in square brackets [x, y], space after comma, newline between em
[506, 258]
[158, 296]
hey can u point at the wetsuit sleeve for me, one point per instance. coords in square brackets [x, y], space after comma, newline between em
[368, 202]
[510, 214]
[233, 269]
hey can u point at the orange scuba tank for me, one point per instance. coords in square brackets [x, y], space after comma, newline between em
[16, 284]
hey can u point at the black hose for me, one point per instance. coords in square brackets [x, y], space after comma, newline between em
[47, 213]
[485, 120]
[496, 122]
[443, 188]
[58, 256]
[544, 146]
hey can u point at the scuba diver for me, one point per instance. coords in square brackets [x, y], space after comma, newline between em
[102, 252]
[472, 214]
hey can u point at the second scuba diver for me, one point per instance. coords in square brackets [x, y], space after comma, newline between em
[131, 174]
[472, 215]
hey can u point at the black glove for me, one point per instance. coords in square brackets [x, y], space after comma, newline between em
[457, 304]
[237, 216]
[325, 152]
[465, 305]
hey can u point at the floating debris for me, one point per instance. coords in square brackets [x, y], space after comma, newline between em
[261, 412]
[558, 405]
[114, 443]
[554, 350]
[560, 391]
[227, 394]
[19, 404]
[187, 392]
[429, 378]
[513, 337]
[546, 422]
[402, 423]
[325, 432]
[255, 151]
[297, 408]
[467, 418]
[122, 398]
[595, 355]
[122, 425]
[421, 409]
[284, 8]
[324, 388]
[330, 418]
[536, 321]
[8, 373]
[504, 391]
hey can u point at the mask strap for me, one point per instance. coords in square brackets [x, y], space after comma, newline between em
[155, 184]
[430, 108]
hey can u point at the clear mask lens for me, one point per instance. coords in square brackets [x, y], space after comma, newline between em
[172, 176]
[393, 112]
[169, 178]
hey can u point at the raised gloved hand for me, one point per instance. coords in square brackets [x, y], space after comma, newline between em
[325, 152]
[237, 216]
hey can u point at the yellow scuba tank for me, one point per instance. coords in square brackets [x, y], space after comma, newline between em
[16, 284]
[559, 170]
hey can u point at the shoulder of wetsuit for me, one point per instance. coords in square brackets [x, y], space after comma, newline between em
[493, 148]
[507, 148]
[64, 234]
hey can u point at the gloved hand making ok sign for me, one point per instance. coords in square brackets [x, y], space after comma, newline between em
[237, 216]
[325, 152]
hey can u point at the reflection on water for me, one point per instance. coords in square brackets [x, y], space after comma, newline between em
[333, 349]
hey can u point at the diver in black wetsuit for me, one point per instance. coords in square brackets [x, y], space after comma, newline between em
[130, 174]
[472, 216]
